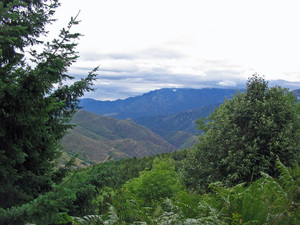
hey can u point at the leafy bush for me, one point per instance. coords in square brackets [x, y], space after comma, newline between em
[158, 183]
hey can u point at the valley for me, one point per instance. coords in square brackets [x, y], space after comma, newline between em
[157, 122]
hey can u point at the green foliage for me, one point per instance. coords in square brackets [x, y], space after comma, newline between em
[288, 192]
[35, 102]
[266, 201]
[91, 196]
[43, 210]
[158, 183]
[95, 188]
[74, 194]
[244, 136]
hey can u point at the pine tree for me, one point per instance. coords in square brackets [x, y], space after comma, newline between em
[35, 103]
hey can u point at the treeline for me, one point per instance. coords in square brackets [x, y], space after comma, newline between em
[158, 196]
[150, 190]
[80, 192]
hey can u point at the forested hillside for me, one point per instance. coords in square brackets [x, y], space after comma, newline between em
[96, 139]
[177, 129]
[170, 113]
[182, 121]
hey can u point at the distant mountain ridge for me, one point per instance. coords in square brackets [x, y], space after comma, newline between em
[162, 120]
[161, 102]
[183, 121]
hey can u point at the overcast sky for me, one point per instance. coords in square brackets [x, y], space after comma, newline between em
[143, 45]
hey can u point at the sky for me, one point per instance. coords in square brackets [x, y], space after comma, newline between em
[143, 45]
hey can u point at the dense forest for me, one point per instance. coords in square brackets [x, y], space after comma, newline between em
[243, 169]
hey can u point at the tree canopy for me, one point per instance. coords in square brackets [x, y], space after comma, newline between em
[160, 182]
[36, 102]
[245, 135]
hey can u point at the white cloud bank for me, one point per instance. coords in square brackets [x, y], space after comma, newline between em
[227, 83]
[143, 45]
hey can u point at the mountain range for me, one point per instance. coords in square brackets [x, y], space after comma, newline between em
[156, 122]
[161, 102]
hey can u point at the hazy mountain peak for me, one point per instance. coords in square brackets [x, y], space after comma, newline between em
[160, 102]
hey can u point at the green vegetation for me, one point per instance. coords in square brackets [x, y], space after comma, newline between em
[160, 182]
[149, 190]
[35, 102]
[244, 170]
[244, 136]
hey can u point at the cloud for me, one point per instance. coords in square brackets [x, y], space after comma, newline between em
[153, 45]
[94, 56]
[227, 83]
[123, 78]
[120, 67]
[124, 74]
[126, 80]
[286, 84]
[160, 53]
[127, 85]
[154, 52]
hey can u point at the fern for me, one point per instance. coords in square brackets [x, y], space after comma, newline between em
[131, 211]
[282, 195]
[238, 204]
[112, 216]
[291, 185]
[88, 220]
[168, 218]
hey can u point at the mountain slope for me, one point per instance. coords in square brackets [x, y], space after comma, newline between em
[183, 121]
[97, 138]
[157, 103]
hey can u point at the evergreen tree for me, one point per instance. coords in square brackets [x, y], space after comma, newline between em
[245, 135]
[35, 104]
